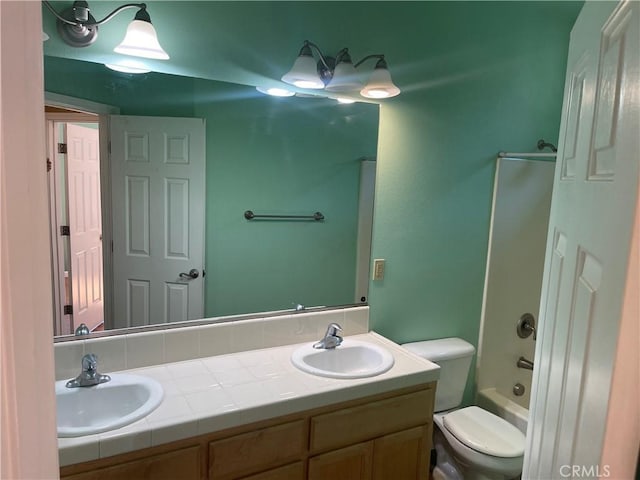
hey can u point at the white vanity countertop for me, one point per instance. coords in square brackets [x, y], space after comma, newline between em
[215, 393]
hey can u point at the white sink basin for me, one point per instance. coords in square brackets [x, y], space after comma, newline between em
[111, 405]
[352, 359]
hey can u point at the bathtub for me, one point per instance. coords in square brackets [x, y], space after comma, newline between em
[493, 401]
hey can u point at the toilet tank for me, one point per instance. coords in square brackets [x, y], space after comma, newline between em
[453, 356]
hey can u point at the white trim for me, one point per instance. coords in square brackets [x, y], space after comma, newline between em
[103, 111]
[76, 117]
[55, 220]
[365, 228]
[79, 104]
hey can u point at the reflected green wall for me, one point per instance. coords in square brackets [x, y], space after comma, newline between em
[291, 156]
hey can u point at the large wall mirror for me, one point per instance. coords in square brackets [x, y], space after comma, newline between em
[273, 156]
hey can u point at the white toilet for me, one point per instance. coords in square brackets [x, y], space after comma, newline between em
[482, 445]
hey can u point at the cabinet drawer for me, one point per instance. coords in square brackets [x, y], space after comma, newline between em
[295, 471]
[257, 451]
[375, 419]
[183, 464]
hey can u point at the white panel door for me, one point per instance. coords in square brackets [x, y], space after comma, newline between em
[85, 225]
[588, 247]
[158, 195]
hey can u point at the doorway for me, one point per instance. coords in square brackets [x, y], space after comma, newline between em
[73, 166]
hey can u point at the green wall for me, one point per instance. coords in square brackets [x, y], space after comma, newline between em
[291, 156]
[495, 82]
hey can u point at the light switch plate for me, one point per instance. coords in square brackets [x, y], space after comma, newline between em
[378, 269]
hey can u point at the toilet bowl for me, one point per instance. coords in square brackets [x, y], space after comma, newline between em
[482, 446]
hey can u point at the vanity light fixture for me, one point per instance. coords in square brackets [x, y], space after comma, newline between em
[339, 74]
[78, 28]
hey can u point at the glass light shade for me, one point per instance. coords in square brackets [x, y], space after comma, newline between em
[380, 85]
[141, 40]
[304, 73]
[276, 92]
[345, 78]
[128, 66]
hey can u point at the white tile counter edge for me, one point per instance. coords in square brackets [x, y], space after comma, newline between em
[216, 393]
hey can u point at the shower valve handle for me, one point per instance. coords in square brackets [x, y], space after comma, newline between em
[526, 326]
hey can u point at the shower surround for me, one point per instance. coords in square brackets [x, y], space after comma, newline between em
[515, 262]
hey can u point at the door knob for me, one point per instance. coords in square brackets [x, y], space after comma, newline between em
[193, 273]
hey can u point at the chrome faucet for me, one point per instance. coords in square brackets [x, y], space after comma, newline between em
[331, 338]
[89, 375]
[524, 363]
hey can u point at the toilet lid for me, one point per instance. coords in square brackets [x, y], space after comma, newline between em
[485, 432]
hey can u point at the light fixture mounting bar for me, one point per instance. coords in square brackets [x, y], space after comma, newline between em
[92, 23]
[307, 43]
[377, 55]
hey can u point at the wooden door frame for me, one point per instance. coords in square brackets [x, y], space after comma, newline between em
[103, 112]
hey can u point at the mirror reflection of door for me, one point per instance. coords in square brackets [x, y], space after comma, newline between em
[158, 198]
[76, 224]
[156, 209]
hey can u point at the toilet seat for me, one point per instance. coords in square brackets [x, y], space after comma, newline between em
[485, 432]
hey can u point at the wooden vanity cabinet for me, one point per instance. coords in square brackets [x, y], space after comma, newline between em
[374, 438]
[348, 463]
[183, 464]
[403, 455]
[295, 471]
[257, 451]
[399, 430]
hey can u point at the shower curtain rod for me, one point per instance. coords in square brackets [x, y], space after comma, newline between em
[524, 154]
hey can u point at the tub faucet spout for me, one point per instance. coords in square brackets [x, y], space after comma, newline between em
[524, 363]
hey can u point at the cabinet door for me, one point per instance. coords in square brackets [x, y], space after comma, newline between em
[402, 455]
[183, 464]
[294, 471]
[350, 463]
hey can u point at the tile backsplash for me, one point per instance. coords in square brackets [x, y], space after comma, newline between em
[173, 345]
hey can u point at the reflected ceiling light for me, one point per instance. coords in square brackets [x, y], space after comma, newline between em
[128, 66]
[343, 100]
[78, 28]
[339, 74]
[276, 92]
